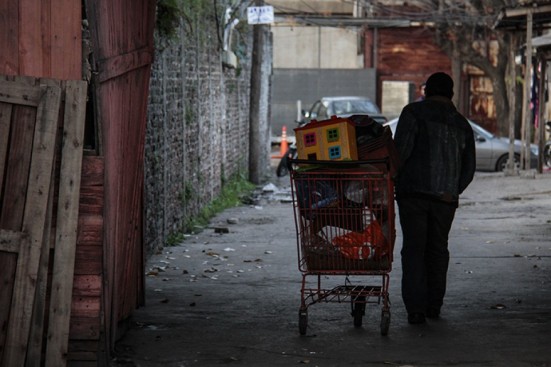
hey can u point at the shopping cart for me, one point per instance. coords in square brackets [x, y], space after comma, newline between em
[344, 217]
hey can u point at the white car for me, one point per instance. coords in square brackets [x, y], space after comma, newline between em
[492, 152]
[343, 106]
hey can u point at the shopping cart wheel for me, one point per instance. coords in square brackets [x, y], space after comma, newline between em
[358, 311]
[302, 321]
[385, 322]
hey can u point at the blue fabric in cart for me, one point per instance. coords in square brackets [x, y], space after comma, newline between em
[313, 195]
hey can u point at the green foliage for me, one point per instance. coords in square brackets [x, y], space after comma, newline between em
[231, 86]
[233, 192]
[174, 239]
[197, 7]
[169, 15]
[231, 195]
[187, 194]
[173, 13]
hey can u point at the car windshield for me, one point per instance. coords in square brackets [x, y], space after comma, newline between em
[346, 107]
[481, 131]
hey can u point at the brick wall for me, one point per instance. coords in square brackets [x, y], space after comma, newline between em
[197, 132]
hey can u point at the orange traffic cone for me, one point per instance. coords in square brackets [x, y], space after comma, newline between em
[284, 145]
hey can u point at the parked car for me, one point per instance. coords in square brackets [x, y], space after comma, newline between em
[343, 106]
[492, 152]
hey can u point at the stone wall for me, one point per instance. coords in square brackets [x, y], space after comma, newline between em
[198, 127]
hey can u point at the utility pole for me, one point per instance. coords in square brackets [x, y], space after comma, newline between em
[541, 117]
[525, 153]
[257, 116]
[511, 169]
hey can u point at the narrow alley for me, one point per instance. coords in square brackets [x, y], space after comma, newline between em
[232, 298]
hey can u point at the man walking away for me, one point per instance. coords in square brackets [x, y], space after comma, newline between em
[436, 148]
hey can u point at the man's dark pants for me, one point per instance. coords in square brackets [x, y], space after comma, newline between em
[426, 224]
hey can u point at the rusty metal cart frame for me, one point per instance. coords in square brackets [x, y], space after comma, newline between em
[345, 225]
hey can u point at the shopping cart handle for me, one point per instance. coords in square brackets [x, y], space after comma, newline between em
[338, 164]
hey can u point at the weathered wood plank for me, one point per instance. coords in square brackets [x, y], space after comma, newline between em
[92, 170]
[85, 328]
[90, 231]
[10, 241]
[87, 286]
[121, 64]
[85, 306]
[20, 94]
[34, 219]
[17, 170]
[124, 258]
[88, 260]
[9, 37]
[39, 316]
[92, 200]
[81, 351]
[5, 122]
[20, 310]
[6, 290]
[67, 220]
[36, 337]
[79, 346]
[66, 40]
[82, 364]
[30, 41]
[46, 28]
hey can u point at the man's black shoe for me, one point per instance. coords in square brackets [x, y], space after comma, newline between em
[433, 313]
[416, 318]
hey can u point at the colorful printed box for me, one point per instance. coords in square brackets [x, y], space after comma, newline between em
[333, 139]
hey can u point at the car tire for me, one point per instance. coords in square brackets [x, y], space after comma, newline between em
[282, 167]
[501, 164]
[547, 154]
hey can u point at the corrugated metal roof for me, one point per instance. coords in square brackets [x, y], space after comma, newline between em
[542, 41]
[515, 17]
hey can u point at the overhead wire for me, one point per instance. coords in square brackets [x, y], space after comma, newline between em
[422, 11]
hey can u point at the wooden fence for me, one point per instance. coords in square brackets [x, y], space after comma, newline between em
[39, 206]
[44, 39]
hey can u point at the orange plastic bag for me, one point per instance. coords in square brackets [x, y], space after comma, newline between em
[366, 245]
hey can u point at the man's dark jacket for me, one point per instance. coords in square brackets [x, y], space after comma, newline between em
[436, 148]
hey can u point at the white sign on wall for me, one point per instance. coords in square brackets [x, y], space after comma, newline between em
[260, 14]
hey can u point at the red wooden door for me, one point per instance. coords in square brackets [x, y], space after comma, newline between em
[122, 40]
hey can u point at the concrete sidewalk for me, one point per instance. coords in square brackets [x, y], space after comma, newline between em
[233, 298]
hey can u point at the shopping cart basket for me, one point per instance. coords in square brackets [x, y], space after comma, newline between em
[344, 217]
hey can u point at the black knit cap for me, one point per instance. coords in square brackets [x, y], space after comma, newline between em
[439, 84]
